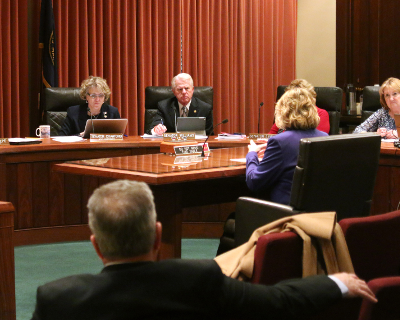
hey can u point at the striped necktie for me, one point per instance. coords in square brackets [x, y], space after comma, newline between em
[184, 111]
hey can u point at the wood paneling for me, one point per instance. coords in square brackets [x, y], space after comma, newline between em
[40, 193]
[366, 42]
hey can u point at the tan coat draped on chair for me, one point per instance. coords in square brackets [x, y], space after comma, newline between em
[239, 262]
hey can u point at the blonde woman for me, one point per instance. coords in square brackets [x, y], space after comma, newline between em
[324, 125]
[94, 92]
[272, 177]
[382, 121]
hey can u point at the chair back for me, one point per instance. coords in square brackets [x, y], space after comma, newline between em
[278, 257]
[154, 94]
[371, 101]
[374, 244]
[251, 213]
[336, 173]
[329, 99]
[387, 291]
[57, 101]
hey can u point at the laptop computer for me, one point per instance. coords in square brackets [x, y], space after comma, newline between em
[193, 124]
[105, 126]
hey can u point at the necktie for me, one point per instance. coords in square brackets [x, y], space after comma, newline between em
[184, 111]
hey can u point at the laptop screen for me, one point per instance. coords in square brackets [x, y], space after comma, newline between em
[104, 126]
[194, 124]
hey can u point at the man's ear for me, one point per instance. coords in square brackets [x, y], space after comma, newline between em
[157, 242]
[96, 247]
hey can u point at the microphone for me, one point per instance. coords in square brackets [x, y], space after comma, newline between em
[222, 122]
[259, 109]
[176, 128]
[91, 118]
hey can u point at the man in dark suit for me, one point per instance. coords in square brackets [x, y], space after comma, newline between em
[127, 238]
[182, 105]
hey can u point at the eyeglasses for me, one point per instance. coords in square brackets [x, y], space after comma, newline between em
[94, 96]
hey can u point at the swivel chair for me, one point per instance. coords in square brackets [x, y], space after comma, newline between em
[333, 173]
[329, 99]
[371, 101]
[154, 94]
[57, 101]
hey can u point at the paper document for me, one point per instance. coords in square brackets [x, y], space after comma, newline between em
[151, 136]
[239, 160]
[68, 139]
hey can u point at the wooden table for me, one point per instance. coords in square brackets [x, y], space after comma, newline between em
[27, 181]
[386, 195]
[212, 180]
[37, 193]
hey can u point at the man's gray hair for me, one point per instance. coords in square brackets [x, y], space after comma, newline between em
[122, 217]
[181, 76]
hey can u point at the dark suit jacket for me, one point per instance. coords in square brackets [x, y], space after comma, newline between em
[168, 111]
[272, 177]
[178, 289]
[75, 121]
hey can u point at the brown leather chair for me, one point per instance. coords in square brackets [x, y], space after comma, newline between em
[154, 94]
[371, 101]
[329, 99]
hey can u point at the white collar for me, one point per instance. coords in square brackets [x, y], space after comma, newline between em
[181, 106]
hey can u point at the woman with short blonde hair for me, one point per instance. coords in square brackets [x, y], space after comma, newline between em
[382, 121]
[271, 178]
[95, 92]
[323, 115]
[296, 110]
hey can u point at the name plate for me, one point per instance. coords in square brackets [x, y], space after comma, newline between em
[179, 136]
[187, 159]
[255, 136]
[106, 136]
[4, 141]
[191, 149]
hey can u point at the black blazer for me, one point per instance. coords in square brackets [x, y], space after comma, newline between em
[178, 289]
[77, 116]
[168, 111]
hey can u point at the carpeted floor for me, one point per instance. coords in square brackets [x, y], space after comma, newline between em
[38, 264]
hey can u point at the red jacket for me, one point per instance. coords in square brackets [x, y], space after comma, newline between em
[323, 124]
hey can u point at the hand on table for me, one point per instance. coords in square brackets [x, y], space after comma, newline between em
[388, 134]
[159, 129]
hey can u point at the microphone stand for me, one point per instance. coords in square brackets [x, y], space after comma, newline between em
[91, 118]
[259, 110]
[223, 121]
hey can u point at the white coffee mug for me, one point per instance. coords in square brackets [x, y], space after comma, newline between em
[43, 132]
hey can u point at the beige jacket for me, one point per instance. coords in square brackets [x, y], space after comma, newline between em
[239, 262]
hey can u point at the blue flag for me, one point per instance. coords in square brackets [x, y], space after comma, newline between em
[47, 41]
